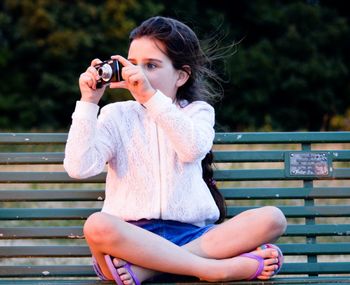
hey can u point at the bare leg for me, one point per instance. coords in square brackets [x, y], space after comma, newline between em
[243, 233]
[234, 236]
[145, 249]
[108, 235]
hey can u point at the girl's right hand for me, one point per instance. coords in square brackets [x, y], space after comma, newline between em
[87, 84]
[135, 80]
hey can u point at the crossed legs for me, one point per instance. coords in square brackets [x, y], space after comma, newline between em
[212, 257]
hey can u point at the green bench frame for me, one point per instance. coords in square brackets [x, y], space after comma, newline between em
[42, 209]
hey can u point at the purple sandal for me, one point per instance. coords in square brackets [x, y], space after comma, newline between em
[115, 274]
[280, 256]
[260, 267]
[98, 270]
[261, 260]
[113, 271]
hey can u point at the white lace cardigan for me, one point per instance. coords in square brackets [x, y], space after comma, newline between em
[153, 154]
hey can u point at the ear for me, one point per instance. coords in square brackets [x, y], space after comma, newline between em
[183, 75]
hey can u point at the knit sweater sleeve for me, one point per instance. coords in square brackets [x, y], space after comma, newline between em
[191, 130]
[90, 143]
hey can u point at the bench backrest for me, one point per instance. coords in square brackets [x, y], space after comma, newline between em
[305, 174]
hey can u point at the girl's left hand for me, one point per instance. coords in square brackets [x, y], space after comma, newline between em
[135, 81]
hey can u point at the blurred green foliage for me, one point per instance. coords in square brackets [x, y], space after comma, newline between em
[290, 70]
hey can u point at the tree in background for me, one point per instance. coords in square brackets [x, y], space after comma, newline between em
[46, 44]
[290, 71]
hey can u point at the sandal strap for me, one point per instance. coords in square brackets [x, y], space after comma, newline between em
[127, 266]
[98, 270]
[115, 274]
[260, 267]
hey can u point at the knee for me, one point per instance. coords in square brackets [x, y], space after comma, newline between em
[274, 219]
[95, 227]
[99, 229]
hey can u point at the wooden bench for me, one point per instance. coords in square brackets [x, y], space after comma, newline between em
[305, 174]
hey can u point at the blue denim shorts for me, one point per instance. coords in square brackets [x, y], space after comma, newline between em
[176, 232]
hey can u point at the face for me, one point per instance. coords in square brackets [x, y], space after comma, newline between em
[156, 65]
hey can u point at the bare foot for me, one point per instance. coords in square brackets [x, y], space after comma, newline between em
[124, 274]
[243, 267]
[270, 262]
[236, 268]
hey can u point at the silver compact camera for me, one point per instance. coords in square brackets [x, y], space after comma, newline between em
[108, 71]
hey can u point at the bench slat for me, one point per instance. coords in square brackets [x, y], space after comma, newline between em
[32, 138]
[83, 213]
[268, 156]
[319, 230]
[220, 175]
[60, 281]
[220, 138]
[301, 211]
[83, 251]
[335, 248]
[248, 156]
[72, 232]
[31, 158]
[46, 214]
[285, 193]
[46, 177]
[341, 173]
[249, 174]
[86, 270]
[269, 174]
[228, 193]
[51, 195]
[76, 232]
[15, 158]
[317, 268]
[282, 137]
[47, 270]
[275, 281]
[44, 251]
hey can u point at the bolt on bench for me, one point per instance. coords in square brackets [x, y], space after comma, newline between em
[305, 174]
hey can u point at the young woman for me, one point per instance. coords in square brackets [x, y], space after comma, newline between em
[159, 214]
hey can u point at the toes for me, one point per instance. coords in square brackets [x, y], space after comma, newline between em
[128, 282]
[270, 269]
[268, 253]
[118, 262]
[270, 261]
[261, 277]
[268, 272]
[121, 271]
[126, 278]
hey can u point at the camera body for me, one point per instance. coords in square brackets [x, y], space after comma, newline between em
[108, 71]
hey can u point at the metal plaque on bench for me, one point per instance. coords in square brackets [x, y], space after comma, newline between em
[308, 164]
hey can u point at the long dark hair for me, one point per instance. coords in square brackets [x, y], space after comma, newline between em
[209, 180]
[184, 50]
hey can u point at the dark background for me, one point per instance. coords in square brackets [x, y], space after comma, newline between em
[289, 71]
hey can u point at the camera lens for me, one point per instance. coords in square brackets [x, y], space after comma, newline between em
[105, 72]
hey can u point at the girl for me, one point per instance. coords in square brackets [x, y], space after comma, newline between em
[159, 214]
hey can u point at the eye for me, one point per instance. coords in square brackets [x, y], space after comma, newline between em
[150, 65]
